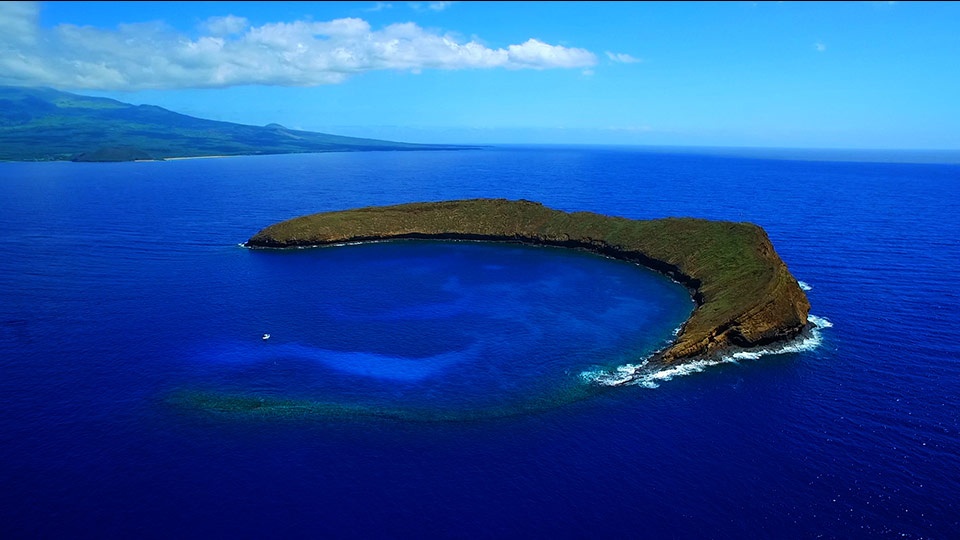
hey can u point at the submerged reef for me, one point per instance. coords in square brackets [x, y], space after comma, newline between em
[745, 296]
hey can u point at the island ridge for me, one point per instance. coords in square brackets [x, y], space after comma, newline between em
[745, 296]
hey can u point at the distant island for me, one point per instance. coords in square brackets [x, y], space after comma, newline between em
[745, 296]
[42, 124]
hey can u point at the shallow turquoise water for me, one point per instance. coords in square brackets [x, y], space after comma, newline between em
[430, 328]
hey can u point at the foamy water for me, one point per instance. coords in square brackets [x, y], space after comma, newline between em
[642, 374]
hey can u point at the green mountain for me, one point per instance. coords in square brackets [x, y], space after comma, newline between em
[42, 124]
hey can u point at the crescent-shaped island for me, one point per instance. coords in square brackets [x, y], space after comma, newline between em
[745, 296]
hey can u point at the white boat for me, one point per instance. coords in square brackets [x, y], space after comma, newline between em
[266, 337]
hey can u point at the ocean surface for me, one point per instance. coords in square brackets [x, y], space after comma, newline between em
[423, 389]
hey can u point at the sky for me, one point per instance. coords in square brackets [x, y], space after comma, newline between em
[745, 74]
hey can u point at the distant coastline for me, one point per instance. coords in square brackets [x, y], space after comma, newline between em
[43, 124]
[851, 155]
[199, 157]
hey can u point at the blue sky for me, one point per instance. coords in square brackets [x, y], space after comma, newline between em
[768, 74]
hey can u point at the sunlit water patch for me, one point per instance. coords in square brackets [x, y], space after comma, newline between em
[439, 329]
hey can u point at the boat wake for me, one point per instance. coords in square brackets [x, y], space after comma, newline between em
[647, 376]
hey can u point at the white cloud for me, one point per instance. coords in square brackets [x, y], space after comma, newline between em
[432, 6]
[231, 52]
[19, 21]
[380, 6]
[622, 58]
[820, 47]
[225, 26]
[538, 55]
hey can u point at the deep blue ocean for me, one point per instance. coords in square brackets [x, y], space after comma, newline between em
[454, 389]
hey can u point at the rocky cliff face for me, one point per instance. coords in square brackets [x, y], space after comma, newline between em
[745, 295]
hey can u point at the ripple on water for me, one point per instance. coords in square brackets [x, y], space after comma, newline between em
[453, 328]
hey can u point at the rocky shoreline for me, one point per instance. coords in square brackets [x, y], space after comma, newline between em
[745, 296]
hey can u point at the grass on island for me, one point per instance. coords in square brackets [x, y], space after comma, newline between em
[745, 294]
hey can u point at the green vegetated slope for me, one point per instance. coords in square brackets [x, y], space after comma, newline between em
[41, 124]
[745, 295]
